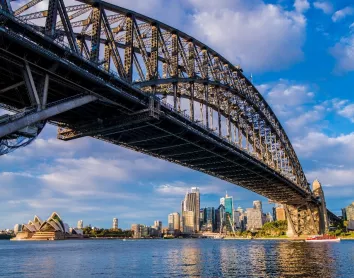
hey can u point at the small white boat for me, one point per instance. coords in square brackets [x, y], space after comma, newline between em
[324, 238]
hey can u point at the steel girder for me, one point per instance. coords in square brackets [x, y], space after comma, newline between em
[162, 60]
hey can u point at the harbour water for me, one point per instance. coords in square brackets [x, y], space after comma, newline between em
[176, 258]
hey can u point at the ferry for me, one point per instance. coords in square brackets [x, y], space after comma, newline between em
[324, 238]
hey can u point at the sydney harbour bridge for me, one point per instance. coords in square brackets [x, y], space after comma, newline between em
[96, 69]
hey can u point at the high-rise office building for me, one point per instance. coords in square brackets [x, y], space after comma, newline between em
[188, 222]
[80, 224]
[158, 225]
[197, 207]
[344, 214]
[237, 219]
[209, 219]
[220, 219]
[257, 205]
[115, 224]
[136, 230]
[201, 217]
[191, 203]
[254, 219]
[268, 217]
[227, 202]
[349, 210]
[174, 221]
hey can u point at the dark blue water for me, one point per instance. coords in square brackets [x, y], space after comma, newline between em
[176, 258]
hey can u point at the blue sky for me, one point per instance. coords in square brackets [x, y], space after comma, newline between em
[301, 56]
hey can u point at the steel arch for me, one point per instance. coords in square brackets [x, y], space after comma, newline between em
[164, 61]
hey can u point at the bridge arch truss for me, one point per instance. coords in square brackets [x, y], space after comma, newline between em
[169, 65]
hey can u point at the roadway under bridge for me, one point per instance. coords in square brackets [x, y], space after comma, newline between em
[99, 70]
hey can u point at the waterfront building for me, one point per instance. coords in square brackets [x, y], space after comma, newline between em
[158, 225]
[188, 222]
[229, 211]
[191, 203]
[344, 214]
[280, 214]
[52, 229]
[174, 221]
[115, 224]
[349, 211]
[229, 205]
[243, 220]
[268, 217]
[197, 207]
[136, 230]
[237, 220]
[254, 219]
[257, 205]
[80, 224]
[201, 218]
[209, 219]
[220, 218]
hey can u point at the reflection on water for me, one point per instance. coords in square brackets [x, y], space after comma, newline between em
[176, 258]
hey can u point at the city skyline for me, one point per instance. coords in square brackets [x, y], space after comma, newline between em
[304, 83]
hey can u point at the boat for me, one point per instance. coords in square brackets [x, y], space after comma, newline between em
[324, 238]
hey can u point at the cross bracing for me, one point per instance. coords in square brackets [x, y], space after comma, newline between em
[155, 90]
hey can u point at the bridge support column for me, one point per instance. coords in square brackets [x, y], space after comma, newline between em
[303, 219]
[309, 217]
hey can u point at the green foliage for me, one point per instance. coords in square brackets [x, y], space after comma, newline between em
[107, 233]
[274, 229]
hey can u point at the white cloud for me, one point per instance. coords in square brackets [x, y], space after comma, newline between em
[343, 51]
[301, 5]
[326, 7]
[287, 98]
[333, 177]
[337, 150]
[347, 112]
[341, 14]
[260, 36]
[180, 188]
[304, 122]
[344, 108]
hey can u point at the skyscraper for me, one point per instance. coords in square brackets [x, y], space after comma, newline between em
[257, 205]
[209, 219]
[220, 218]
[227, 202]
[115, 224]
[80, 224]
[174, 221]
[350, 212]
[254, 219]
[158, 225]
[188, 222]
[191, 203]
[197, 207]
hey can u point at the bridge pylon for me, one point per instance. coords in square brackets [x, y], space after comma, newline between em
[309, 217]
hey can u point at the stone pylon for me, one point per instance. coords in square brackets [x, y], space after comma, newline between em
[309, 217]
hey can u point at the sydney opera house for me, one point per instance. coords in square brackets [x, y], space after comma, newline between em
[53, 228]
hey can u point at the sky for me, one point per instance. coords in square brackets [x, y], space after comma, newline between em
[301, 57]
